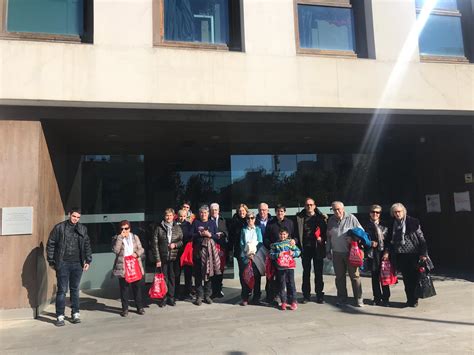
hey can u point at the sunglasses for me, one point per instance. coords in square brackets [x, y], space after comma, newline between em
[376, 212]
[250, 217]
[125, 229]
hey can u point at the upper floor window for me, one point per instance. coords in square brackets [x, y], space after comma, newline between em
[331, 27]
[213, 24]
[442, 35]
[65, 20]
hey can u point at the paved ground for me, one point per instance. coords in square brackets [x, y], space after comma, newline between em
[442, 324]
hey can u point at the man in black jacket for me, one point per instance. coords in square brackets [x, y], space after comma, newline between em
[69, 253]
[222, 234]
[312, 227]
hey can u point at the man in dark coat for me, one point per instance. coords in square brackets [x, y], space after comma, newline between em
[69, 253]
[222, 235]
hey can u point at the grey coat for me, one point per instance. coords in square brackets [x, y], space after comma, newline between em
[118, 249]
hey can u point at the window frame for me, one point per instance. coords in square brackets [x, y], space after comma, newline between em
[444, 58]
[316, 51]
[158, 18]
[44, 37]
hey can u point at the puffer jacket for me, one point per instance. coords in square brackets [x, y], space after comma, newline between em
[118, 249]
[160, 246]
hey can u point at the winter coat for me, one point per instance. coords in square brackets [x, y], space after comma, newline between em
[375, 254]
[56, 245]
[235, 229]
[272, 232]
[246, 246]
[160, 246]
[321, 223]
[118, 249]
[414, 233]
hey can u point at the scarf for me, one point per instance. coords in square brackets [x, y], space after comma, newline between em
[210, 261]
[380, 240]
[128, 245]
[169, 230]
[400, 226]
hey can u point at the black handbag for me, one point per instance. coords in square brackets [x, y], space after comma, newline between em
[424, 287]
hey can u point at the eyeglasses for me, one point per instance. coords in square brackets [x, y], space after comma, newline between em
[376, 212]
[125, 229]
[250, 217]
[310, 204]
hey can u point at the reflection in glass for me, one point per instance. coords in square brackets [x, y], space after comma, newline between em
[46, 16]
[205, 21]
[326, 27]
[440, 4]
[442, 35]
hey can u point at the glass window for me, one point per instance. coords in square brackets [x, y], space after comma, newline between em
[63, 17]
[326, 27]
[442, 36]
[204, 21]
[440, 4]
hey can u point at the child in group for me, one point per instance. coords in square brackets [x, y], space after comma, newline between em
[283, 254]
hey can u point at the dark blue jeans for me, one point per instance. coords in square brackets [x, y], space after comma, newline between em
[286, 280]
[68, 275]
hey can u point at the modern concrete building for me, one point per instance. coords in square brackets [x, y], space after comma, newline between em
[126, 107]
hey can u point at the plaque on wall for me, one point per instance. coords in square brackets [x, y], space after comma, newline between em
[16, 220]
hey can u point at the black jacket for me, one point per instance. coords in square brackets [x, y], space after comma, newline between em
[375, 254]
[321, 223]
[186, 227]
[236, 226]
[222, 228]
[414, 233]
[160, 246]
[56, 245]
[272, 232]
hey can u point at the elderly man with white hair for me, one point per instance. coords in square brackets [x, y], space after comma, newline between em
[222, 239]
[337, 249]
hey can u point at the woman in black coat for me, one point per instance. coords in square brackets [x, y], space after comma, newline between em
[378, 234]
[409, 246]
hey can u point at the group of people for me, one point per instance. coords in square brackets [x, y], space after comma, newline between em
[261, 242]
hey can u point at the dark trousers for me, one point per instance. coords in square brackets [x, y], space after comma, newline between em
[246, 291]
[286, 280]
[309, 256]
[381, 293]
[171, 272]
[188, 279]
[407, 264]
[217, 283]
[203, 288]
[241, 265]
[137, 289]
[68, 276]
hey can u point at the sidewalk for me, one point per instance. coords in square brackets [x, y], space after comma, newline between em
[442, 324]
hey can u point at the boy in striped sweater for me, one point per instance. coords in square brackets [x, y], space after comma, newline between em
[283, 253]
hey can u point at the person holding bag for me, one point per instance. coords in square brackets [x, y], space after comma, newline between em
[128, 266]
[167, 240]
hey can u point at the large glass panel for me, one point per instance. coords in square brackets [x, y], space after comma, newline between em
[205, 21]
[65, 17]
[439, 4]
[326, 27]
[442, 35]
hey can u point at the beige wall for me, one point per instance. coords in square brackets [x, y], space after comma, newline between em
[27, 179]
[122, 66]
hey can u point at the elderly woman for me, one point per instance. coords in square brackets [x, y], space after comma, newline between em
[409, 246]
[167, 240]
[378, 235]
[236, 224]
[205, 255]
[251, 240]
[128, 244]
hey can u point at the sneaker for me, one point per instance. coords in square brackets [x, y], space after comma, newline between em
[60, 321]
[283, 306]
[124, 313]
[207, 300]
[76, 318]
[198, 302]
[359, 303]
[220, 294]
[244, 303]
[305, 300]
[141, 311]
[294, 306]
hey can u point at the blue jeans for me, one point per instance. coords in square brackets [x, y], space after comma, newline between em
[286, 280]
[68, 275]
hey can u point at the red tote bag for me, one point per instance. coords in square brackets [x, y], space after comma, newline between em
[158, 290]
[187, 256]
[286, 261]
[249, 277]
[387, 273]
[133, 271]
[356, 255]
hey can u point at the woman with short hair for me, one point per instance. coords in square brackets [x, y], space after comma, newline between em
[128, 244]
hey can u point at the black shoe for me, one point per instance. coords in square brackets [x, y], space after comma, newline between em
[198, 302]
[208, 300]
[141, 311]
[320, 299]
[124, 313]
[255, 302]
[220, 294]
[162, 303]
[60, 322]
[305, 300]
[376, 302]
[385, 304]
[171, 302]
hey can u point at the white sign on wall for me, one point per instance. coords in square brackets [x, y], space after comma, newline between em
[16, 220]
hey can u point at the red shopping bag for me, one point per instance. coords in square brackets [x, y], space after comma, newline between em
[269, 268]
[387, 273]
[133, 271]
[187, 256]
[356, 255]
[158, 289]
[221, 253]
[249, 277]
[286, 261]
